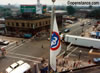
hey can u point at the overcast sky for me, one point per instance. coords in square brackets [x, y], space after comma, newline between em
[47, 2]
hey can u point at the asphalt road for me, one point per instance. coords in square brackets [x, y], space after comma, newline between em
[34, 48]
[76, 29]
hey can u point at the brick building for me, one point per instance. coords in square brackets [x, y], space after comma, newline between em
[21, 25]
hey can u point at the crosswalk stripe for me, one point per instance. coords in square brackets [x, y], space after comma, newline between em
[23, 58]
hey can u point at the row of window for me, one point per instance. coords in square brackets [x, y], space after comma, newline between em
[39, 24]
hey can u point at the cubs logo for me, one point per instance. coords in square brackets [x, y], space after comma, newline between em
[55, 41]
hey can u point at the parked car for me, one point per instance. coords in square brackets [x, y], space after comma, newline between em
[96, 60]
[89, 23]
[82, 24]
[66, 30]
[69, 21]
[60, 32]
[4, 42]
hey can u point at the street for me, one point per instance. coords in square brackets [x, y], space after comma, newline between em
[76, 29]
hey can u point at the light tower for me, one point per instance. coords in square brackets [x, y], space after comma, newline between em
[38, 2]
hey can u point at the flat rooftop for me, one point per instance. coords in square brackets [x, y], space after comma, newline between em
[35, 17]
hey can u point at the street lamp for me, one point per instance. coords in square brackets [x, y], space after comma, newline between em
[80, 52]
[67, 47]
[82, 27]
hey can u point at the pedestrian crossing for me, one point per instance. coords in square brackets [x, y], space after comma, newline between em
[24, 57]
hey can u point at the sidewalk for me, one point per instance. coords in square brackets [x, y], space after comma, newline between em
[11, 38]
[64, 64]
[87, 33]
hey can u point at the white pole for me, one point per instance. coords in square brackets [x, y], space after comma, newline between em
[51, 29]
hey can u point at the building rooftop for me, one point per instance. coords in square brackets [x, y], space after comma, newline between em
[35, 17]
[59, 11]
[88, 10]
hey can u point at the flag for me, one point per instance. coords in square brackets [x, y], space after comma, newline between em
[38, 9]
[55, 45]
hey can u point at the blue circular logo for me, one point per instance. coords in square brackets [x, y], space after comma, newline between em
[55, 41]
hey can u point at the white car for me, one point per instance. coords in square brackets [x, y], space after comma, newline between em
[69, 21]
[4, 42]
[14, 65]
[19, 67]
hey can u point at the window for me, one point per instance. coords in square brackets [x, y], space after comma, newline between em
[36, 25]
[31, 25]
[17, 24]
[28, 24]
[49, 21]
[23, 24]
[8, 23]
[12, 23]
[43, 23]
[39, 23]
[46, 22]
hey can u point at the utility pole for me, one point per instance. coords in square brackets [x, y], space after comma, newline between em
[51, 28]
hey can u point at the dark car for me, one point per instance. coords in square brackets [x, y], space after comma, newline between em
[60, 32]
[66, 30]
[96, 60]
[89, 23]
[82, 24]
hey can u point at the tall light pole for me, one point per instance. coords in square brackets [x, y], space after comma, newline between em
[80, 52]
[83, 28]
[38, 1]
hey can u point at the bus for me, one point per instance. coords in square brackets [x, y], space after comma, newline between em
[19, 67]
[82, 41]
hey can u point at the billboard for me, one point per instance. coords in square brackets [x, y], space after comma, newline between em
[28, 8]
[44, 9]
[39, 9]
[31, 8]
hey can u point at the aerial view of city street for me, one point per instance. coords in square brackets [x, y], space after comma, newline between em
[49, 36]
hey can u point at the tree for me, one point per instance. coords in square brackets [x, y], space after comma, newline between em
[71, 10]
[90, 7]
[95, 13]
